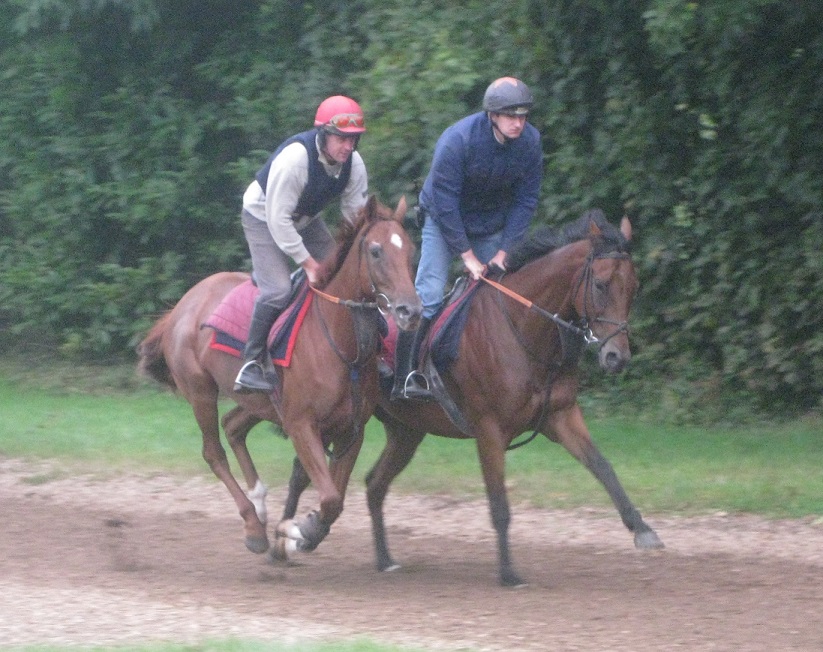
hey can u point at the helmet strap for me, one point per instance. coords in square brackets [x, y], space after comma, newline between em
[321, 141]
[499, 136]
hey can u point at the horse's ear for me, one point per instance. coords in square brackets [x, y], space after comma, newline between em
[371, 207]
[594, 230]
[626, 228]
[400, 211]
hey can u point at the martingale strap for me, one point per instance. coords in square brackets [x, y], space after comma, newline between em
[444, 398]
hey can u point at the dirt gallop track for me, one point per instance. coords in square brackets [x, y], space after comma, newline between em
[136, 559]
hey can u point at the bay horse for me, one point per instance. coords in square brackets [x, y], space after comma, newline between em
[328, 391]
[517, 370]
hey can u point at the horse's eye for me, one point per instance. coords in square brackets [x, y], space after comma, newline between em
[601, 286]
[375, 250]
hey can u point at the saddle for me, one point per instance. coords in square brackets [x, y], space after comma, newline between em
[440, 346]
[230, 320]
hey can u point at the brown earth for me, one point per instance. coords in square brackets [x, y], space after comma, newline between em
[86, 561]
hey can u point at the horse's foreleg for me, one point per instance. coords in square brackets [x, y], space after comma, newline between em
[307, 533]
[206, 413]
[401, 444]
[341, 467]
[492, 450]
[237, 423]
[571, 431]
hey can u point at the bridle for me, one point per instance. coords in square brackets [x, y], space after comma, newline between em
[581, 327]
[381, 302]
[587, 277]
[365, 335]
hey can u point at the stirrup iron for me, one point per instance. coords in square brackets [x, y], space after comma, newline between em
[416, 387]
[266, 383]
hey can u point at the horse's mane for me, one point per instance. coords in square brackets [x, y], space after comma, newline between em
[345, 238]
[546, 239]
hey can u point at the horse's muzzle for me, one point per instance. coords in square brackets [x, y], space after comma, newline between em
[612, 359]
[407, 315]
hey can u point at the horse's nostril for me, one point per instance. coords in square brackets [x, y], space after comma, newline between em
[613, 362]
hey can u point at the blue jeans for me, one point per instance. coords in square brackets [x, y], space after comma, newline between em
[436, 259]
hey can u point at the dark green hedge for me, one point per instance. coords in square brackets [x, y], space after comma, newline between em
[129, 130]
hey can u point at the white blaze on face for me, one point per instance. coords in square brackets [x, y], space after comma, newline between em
[397, 241]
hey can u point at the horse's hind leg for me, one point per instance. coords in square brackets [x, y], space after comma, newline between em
[571, 431]
[401, 444]
[491, 450]
[206, 413]
[299, 481]
[237, 423]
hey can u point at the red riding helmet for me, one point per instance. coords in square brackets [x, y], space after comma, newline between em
[340, 115]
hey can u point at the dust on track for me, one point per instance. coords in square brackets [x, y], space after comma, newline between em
[135, 559]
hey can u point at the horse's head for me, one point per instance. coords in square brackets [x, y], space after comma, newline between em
[605, 292]
[385, 253]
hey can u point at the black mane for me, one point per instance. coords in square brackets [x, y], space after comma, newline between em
[546, 239]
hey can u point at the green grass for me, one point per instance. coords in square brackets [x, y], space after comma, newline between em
[102, 420]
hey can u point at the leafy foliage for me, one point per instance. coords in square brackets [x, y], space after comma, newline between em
[128, 131]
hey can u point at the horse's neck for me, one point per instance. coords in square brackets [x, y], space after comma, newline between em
[339, 321]
[550, 281]
[346, 282]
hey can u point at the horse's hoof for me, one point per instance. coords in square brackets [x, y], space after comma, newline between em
[648, 540]
[257, 545]
[390, 568]
[278, 551]
[312, 529]
[288, 530]
[511, 580]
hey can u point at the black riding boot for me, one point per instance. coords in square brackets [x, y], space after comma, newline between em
[257, 374]
[409, 383]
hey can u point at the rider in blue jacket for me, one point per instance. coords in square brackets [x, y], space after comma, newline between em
[478, 200]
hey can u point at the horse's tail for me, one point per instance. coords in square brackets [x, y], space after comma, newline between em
[152, 361]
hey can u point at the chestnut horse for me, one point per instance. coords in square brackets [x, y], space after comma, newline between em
[517, 370]
[328, 391]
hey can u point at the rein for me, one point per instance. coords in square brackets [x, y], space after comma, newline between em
[585, 333]
[348, 303]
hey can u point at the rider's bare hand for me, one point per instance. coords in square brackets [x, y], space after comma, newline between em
[473, 265]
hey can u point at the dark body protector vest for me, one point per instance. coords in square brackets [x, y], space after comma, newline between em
[321, 188]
